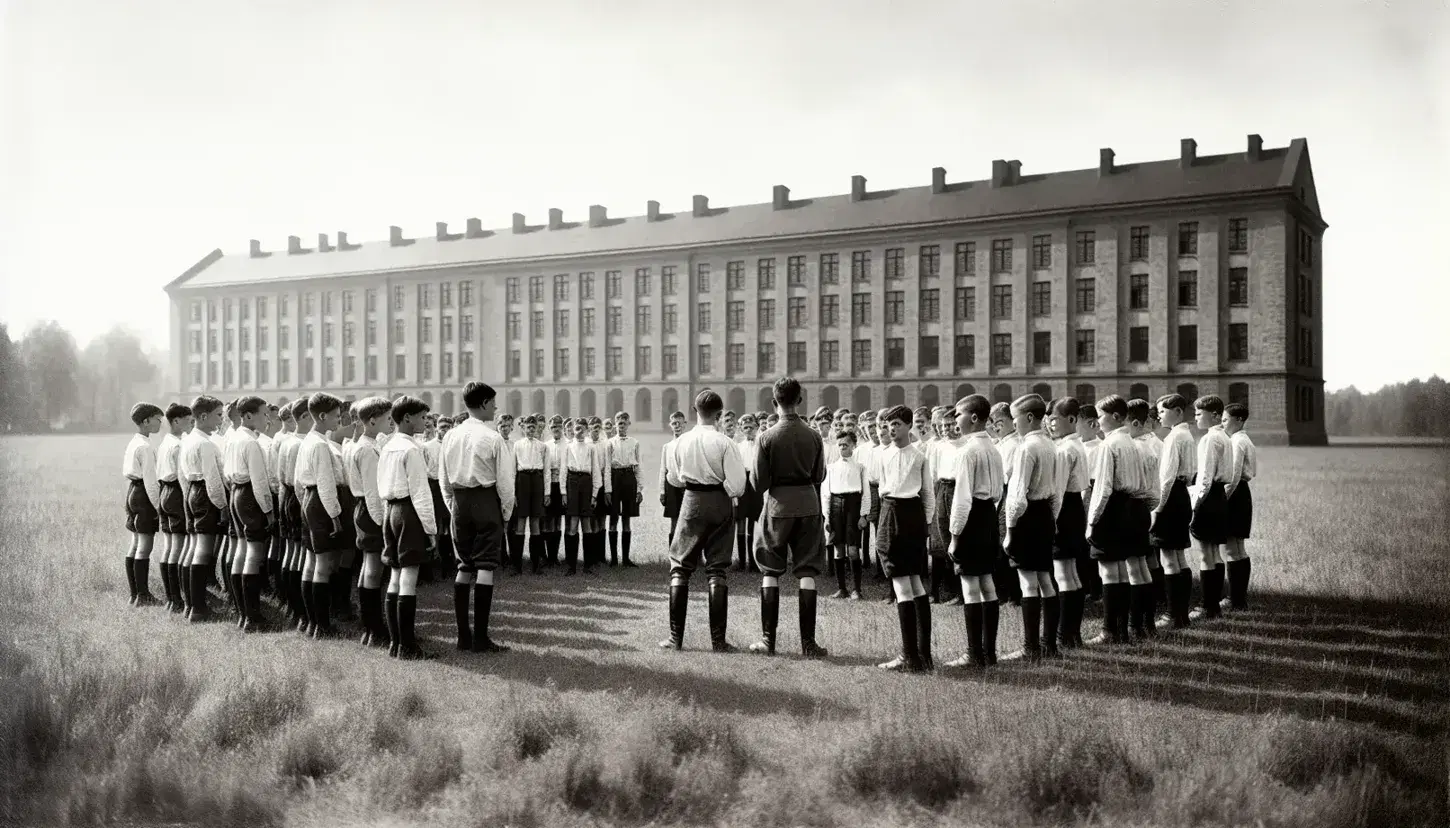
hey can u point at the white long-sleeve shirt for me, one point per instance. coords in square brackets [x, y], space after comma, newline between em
[269, 456]
[315, 468]
[245, 462]
[1151, 451]
[403, 474]
[1215, 463]
[1245, 462]
[287, 450]
[200, 462]
[664, 457]
[1119, 469]
[1034, 476]
[432, 450]
[605, 453]
[845, 475]
[168, 458]
[1008, 448]
[139, 463]
[362, 476]
[533, 455]
[705, 456]
[904, 475]
[1073, 473]
[580, 456]
[475, 455]
[554, 451]
[1178, 461]
[979, 477]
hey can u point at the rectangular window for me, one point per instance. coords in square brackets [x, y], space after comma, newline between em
[1138, 344]
[1001, 350]
[307, 334]
[765, 274]
[1001, 255]
[536, 327]
[614, 362]
[1238, 235]
[370, 296]
[765, 358]
[1001, 301]
[643, 281]
[795, 271]
[465, 364]
[671, 318]
[613, 284]
[1306, 248]
[425, 366]
[642, 360]
[669, 282]
[445, 297]
[1188, 238]
[425, 330]
[1086, 289]
[264, 372]
[284, 371]
[795, 358]
[735, 275]
[1138, 291]
[370, 365]
[642, 321]
[928, 352]
[1085, 346]
[246, 338]
[515, 365]
[895, 354]
[465, 328]
[561, 323]
[1187, 288]
[702, 359]
[895, 307]
[964, 259]
[928, 261]
[447, 372]
[1041, 252]
[561, 362]
[861, 355]
[586, 322]
[796, 313]
[400, 366]
[966, 304]
[860, 309]
[1138, 243]
[613, 321]
[561, 287]
[702, 278]
[830, 268]
[371, 337]
[425, 297]
[445, 328]
[244, 311]
[1041, 298]
[830, 311]
[861, 266]
[702, 317]
[348, 334]
[284, 337]
[1087, 247]
[929, 305]
[1238, 341]
[964, 348]
[349, 367]
[511, 293]
[1041, 348]
[735, 316]
[1187, 343]
[831, 356]
[590, 365]
[670, 359]
[247, 372]
[538, 362]
[465, 295]
[586, 285]
[895, 257]
[765, 314]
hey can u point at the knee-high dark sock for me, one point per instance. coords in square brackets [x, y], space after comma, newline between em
[1051, 620]
[1180, 591]
[131, 575]
[252, 600]
[1238, 583]
[936, 579]
[166, 582]
[972, 614]
[679, 606]
[199, 575]
[143, 579]
[1160, 591]
[841, 574]
[536, 553]
[516, 552]
[625, 537]
[306, 596]
[365, 613]
[322, 606]
[571, 551]
[340, 594]
[1069, 628]
[923, 631]
[551, 543]
[1212, 591]
[910, 634]
[769, 616]
[991, 616]
[1148, 610]
[300, 598]
[741, 549]
[482, 611]
[855, 574]
[614, 547]
[407, 617]
[1123, 602]
[462, 594]
[390, 621]
[1032, 626]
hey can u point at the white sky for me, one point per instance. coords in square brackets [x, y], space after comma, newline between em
[139, 135]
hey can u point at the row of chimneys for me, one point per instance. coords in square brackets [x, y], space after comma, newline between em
[1004, 174]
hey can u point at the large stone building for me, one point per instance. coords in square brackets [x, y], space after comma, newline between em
[1199, 274]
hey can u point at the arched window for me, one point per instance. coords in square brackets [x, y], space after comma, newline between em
[930, 396]
[1238, 392]
[561, 403]
[1043, 390]
[586, 403]
[1085, 393]
[516, 403]
[1138, 391]
[1001, 392]
[767, 399]
[641, 405]
[966, 389]
[895, 395]
[1188, 391]
[445, 404]
[616, 402]
[541, 403]
[831, 397]
[669, 404]
[735, 401]
[861, 399]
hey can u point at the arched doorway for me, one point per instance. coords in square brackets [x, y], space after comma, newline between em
[669, 404]
[1001, 392]
[1138, 391]
[1043, 390]
[1085, 393]
[615, 403]
[895, 395]
[861, 399]
[586, 403]
[426, 397]
[1188, 391]
[966, 389]
[1238, 392]
[767, 399]
[445, 407]
[561, 403]
[736, 400]
[831, 397]
[540, 401]
[516, 403]
[641, 405]
[930, 396]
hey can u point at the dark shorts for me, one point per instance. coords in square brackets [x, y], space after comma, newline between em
[440, 507]
[1239, 520]
[674, 497]
[141, 516]
[296, 525]
[404, 541]
[285, 496]
[901, 537]
[750, 503]
[625, 499]
[705, 534]
[555, 506]
[580, 488]
[1210, 519]
[172, 514]
[232, 521]
[203, 517]
[1170, 528]
[529, 493]
[875, 515]
[603, 503]
[367, 531]
[844, 519]
[478, 530]
[939, 533]
[251, 520]
[349, 526]
[1032, 537]
[320, 535]
[1122, 531]
[1070, 540]
[978, 547]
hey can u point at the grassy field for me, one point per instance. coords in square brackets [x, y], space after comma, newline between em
[1322, 706]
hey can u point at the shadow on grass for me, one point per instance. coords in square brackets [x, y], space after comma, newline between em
[1318, 657]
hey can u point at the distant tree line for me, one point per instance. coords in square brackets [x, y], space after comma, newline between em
[1406, 409]
[48, 383]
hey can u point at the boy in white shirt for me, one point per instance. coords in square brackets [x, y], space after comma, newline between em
[845, 504]
[171, 508]
[625, 488]
[143, 495]
[1238, 521]
[906, 512]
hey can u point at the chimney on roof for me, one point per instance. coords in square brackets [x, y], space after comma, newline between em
[702, 206]
[780, 197]
[858, 187]
[323, 245]
[475, 229]
[598, 215]
[442, 234]
[938, 180]
[556, 218]
[1105, 162]
[520, 224]
[1256, 148]
[396, 237]
[651, 211]
[344, 244]
[257, 252]
[1014, 172]
[294, 246]
[1000, 176]
[1187, 152]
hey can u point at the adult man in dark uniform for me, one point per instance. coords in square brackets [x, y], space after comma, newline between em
[790, 465]
[706, 465]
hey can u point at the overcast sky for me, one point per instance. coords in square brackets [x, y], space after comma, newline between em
[139, 135]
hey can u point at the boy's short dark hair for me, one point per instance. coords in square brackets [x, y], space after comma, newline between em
[555, 420]
[407, 406]
[595, 421]
[374, 407]
[1087, 411]
[231, 409]
[708, 403]
[1030, 404]
[1138, 410]
[478, 394]
[1113, 404]
[729, 412]
[250, 405]
[822, 413]
[460, 418]
[504, 418]
[786, 391]
[847, 434]
[841, 412]
[1239, 411]
[322, 403]
[975, 404]
[921, 411]
[205, 404]
[1211, 403]
[677, 414]
[300, 408]
[177, 411]
[1065, 407]
[747, 416]
[143, 411]
[1172, 401]
[1000, 410]
[284, 413]
[900, 414]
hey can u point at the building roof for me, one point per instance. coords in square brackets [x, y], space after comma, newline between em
[1008, 194]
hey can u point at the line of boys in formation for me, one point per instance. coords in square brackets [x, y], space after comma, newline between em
[1022, 502]
[358, 492]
